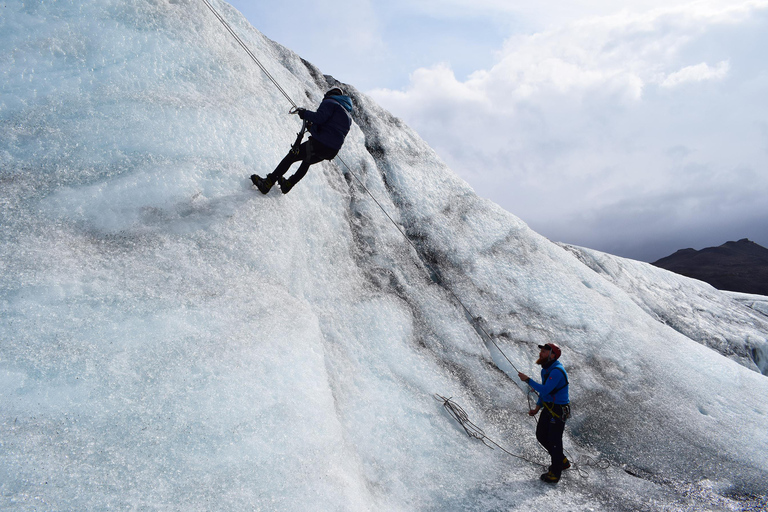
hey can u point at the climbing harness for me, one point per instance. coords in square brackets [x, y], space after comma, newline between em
[450, 406]
[566, 409]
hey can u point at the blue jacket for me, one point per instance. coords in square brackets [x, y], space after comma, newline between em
[331, 122]
[553, 378]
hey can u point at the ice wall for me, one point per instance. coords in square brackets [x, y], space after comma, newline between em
[757, 303]
[172, 339]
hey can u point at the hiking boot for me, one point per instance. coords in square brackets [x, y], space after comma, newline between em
[566, 463]
[263, 184]
[285, 185]
[549, 477]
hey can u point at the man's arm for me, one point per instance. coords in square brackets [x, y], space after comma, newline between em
[323, 113]
[556, 379]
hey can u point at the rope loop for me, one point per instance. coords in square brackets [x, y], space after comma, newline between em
[475, 432]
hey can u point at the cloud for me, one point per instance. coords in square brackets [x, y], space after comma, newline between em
[622, 51]
[573, 121]
[697, 73]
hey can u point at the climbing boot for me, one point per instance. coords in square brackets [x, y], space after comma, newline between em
[566, 463]
[263, 184]
[550, 478]
[285, 185]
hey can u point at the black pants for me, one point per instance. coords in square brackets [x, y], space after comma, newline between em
[549, 433]
[310, 152]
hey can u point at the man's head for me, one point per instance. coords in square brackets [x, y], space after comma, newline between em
[336, 91]
[547, 353]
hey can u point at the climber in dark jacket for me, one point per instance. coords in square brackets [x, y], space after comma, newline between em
[327, 128]
[553, 396]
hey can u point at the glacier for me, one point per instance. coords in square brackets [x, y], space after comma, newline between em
[171, 339]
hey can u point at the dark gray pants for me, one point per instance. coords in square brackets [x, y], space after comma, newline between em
[310, 153]
[549, 433]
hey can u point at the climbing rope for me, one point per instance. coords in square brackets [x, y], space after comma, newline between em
[427, 265]
[349, 169]
[450, 406]
[249, 52]
[431, 271]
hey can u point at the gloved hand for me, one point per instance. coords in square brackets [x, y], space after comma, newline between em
[300, 112]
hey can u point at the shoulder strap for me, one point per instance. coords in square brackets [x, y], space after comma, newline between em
[557, 390]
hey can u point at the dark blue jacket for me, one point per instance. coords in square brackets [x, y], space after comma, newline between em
[331, 122]
[553, 378]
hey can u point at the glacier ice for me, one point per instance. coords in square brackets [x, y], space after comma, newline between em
[691, 307]
[170, 339]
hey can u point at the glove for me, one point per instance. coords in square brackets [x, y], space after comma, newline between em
[300, 112]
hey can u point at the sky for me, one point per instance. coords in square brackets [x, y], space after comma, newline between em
[636, 128]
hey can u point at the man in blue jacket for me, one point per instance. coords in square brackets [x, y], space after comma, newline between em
[553, 397]
[327, 128]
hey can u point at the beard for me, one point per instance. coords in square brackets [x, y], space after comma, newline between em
[542, 360]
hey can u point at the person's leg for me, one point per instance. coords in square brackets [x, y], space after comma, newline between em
[542, 427]
[265, 184]
[556, 442]
[308, 158]
[545, 435]
[286, 163]
[549, 433]
[313, 153]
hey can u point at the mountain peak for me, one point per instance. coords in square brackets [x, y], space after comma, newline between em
[740, 266]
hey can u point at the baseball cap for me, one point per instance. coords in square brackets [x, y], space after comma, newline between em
[553, 348]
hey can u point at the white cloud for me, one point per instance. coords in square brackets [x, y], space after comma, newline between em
[574, 120]
[698, 73]
[621, 52]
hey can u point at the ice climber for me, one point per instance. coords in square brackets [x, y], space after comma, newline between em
[327, 127]
[553, 397]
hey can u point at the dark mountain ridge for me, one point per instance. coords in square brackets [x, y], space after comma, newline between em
[740, 266]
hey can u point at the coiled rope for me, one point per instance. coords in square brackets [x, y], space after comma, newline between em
[450, 406]
[475, 432]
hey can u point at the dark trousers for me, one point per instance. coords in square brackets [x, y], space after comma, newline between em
[310, 152]
[549, 433]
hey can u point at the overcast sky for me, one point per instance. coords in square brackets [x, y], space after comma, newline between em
[635, 127]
